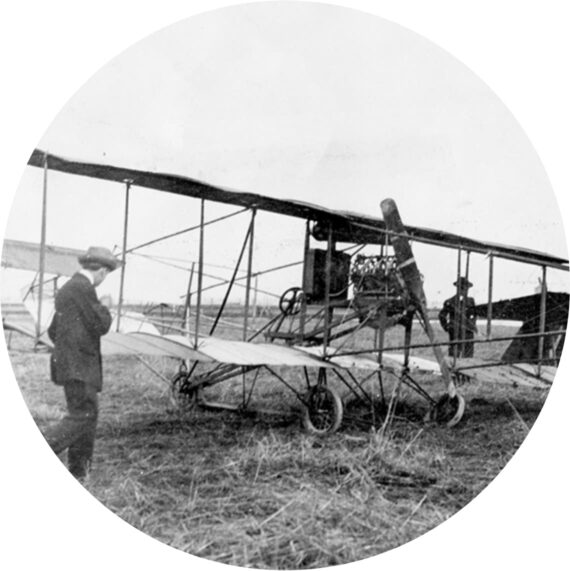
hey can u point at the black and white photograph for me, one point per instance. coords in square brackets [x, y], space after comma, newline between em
[284, 285]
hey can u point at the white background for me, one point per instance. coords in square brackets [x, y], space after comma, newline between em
[520, 49]
[301, 101]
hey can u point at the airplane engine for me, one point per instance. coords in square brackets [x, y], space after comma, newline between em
[380, 296]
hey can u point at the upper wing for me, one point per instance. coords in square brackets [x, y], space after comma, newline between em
[347, 226]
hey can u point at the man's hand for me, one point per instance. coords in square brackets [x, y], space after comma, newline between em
[107, 301]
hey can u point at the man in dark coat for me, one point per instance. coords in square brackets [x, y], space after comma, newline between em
[79, 322]
[458, 319]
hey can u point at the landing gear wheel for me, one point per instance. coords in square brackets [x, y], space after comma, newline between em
[323, 413]
[448, 410]
[183, 396]
[291, 301]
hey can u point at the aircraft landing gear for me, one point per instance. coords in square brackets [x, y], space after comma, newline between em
[447, 410]
[323, 408]
[323, 413]
[184, 397]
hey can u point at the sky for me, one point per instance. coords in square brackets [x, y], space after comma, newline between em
[344, 112]
[517, 47]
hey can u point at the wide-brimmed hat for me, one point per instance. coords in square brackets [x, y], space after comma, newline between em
[462, 282]
[99, 255]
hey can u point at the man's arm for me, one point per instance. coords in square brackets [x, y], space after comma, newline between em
[443, 315]
[52, 329]
[97, 317]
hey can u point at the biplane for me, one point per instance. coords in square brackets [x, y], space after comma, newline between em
[338, 323]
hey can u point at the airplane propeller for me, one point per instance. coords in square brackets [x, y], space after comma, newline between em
[413, 280]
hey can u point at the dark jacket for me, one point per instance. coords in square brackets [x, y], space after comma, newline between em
[458, 315]
[78, 324]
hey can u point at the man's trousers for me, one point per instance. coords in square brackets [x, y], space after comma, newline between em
[463, 349]
[76, 431]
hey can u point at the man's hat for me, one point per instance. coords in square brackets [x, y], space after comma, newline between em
[462, 282]
[99, 255]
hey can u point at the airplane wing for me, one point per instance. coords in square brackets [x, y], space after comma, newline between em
[393, 361]
[155, 345]
[517, 374]
[25, 330]
[210, 350]
[347, 226]
[342, 361]
[419, 364]
[59, 261]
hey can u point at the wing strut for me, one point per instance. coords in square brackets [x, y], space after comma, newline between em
[42, 251]
[128, 183]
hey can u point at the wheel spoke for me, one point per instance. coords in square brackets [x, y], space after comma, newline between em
[323, 413]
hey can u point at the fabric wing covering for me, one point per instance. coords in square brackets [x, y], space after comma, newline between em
[241, 353]
[209, 349]
[347, 226]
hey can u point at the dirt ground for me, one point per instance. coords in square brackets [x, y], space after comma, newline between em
[256, 490]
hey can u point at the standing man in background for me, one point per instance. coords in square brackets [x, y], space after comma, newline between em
[80, 321]
[459, 321]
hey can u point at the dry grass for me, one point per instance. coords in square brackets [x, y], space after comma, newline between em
[256, 491]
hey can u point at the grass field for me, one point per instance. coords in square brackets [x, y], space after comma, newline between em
[257, 491]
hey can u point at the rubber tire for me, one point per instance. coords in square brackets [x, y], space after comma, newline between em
[183, 402]
[334, 411]
[450, 418]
